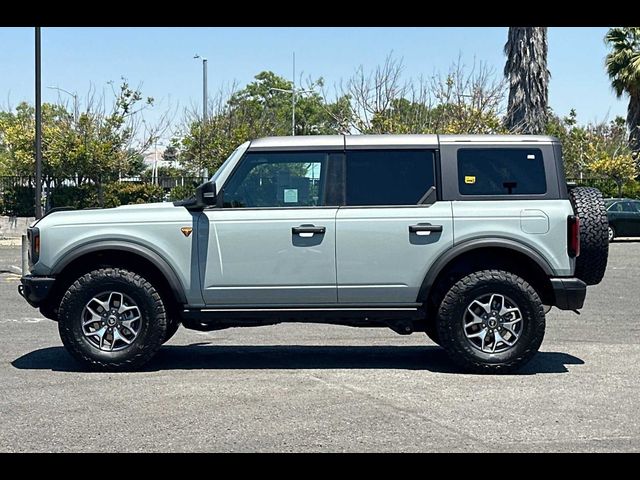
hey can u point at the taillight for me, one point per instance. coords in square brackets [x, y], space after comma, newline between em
[573, 235]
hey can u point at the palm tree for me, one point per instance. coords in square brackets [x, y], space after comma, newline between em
[528, 78]
[623, 67]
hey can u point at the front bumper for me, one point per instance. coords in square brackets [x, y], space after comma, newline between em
[35, 289]
[569, 293]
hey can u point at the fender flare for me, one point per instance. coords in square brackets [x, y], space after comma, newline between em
[469, 245]
[153, 257]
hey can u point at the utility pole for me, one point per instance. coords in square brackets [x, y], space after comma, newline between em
[38, 195]
[204, 111]
[293, 99]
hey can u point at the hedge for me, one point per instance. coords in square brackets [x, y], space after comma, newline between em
[19, 200]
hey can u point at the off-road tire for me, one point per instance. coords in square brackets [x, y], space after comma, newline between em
[451, 329]
[588, 205]
[153, 329]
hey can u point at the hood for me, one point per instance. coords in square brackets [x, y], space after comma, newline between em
[138, 213]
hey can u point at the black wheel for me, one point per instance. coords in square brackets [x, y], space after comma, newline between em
[491, 321]
[172, 328]
[112, 319]
[588, 205]
[612, 234]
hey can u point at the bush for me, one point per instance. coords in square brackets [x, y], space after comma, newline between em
[127, 193]
[80, 197]
[609, 188]
[18, 200]
[182, 192]
[631, 190]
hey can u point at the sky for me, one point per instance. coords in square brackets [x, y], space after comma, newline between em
[161, 59]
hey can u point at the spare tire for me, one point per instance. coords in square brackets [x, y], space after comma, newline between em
[588, 205]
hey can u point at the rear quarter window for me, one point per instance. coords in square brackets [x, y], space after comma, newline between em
[501, 171]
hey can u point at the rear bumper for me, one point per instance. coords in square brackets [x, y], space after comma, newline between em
[35, 289]
[569, 293]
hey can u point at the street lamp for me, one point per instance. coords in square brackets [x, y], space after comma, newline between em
[38, 193]
[73, 95]
[294, 94]
[204, 109]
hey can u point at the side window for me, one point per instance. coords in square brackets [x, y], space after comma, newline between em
[277, 179]
[628, 207]
[388, 177]
[501, 171]
[616, 207]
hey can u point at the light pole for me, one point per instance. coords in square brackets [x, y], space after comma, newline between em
[294, 96]
[38, 193]
[204, 111]
[73, 95]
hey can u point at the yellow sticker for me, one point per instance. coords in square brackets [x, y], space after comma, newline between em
[470, 179]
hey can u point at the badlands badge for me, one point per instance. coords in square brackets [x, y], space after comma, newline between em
[186, 231]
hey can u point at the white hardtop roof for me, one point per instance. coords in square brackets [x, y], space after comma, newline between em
[339, 142]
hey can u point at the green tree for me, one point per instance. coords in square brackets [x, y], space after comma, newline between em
[99, 144]
[573, 137]
[623, 68]
[528, 77]
[257, 110]
[620, 168]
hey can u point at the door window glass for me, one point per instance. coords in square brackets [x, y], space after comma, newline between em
[277, 179]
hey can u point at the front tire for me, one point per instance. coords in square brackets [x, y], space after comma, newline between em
[112, 319]
[491, 321]
[612, 234]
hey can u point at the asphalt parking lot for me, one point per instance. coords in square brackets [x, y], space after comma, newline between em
[328, 388]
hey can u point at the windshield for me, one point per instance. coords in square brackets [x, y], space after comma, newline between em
[237, 153]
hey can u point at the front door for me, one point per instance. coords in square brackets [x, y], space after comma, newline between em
[391, 229]
[273, 241]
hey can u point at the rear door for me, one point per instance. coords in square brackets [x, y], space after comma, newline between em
[392, 228]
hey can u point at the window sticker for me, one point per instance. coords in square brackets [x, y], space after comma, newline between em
[290, 195]
[470, 179]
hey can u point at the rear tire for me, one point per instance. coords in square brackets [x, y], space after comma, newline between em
[508, 298]
[112, 319]
[588, 205]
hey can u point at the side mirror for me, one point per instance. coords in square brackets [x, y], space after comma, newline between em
[206, 194]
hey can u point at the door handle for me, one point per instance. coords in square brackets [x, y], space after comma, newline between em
[424, 228]
[307, 230]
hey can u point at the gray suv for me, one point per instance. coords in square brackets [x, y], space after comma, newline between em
[470, 239]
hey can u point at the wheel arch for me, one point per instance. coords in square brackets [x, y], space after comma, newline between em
[495, 253]
[123, 254]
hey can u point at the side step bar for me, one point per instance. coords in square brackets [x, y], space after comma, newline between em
[403, 320]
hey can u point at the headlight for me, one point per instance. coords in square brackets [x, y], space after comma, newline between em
[33, 236]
